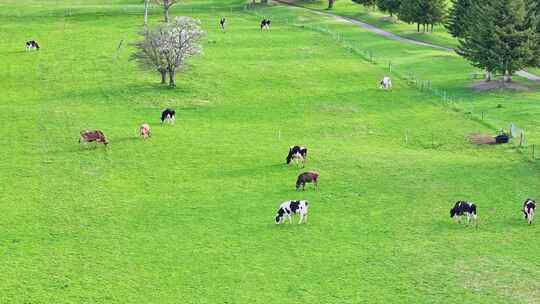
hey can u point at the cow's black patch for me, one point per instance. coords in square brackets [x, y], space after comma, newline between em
[295, 205]
[462, 207]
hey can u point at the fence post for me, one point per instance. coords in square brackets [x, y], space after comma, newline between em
[406, 137]
[390, 66]
[521, 138]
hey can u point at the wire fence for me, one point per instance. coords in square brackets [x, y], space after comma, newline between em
[516, 135]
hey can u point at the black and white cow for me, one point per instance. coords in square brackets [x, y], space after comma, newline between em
[528, 209]
[298, 154]
[288, 208]
[169, 116]
[265, 24]
[32, 45]
[222, 23]
[464, 208]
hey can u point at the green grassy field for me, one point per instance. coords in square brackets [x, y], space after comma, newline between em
[446, 72]
[187, 216]
[383, 20]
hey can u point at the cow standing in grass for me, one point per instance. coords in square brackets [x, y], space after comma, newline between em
[464, 208]
[222, 23]
[144, 131]
[168, 115]
[386, 83]
[287, 209]
[91, 136]
[528, 209]
[32, 45]
[265, 24]
[307, 177]
[297, 154]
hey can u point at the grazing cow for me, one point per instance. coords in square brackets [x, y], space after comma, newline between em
[307, 177]
[297, 154]
[169, 116]
[90, 136]
[222, 23]
[32, 45]
[464, 208]
[528, 209]
[386, 83]
[265, 24]
[287, 209]
[144, 131]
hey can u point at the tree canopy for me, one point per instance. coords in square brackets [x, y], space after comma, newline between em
[500, 38]
[167, 47]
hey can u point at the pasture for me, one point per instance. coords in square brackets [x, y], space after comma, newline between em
[187, 216]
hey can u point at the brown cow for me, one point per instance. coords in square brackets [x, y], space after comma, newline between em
[90, 136]
[307, 177]
[144, 131]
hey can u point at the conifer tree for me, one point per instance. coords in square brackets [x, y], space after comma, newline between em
[390, 6]
[458, 22]
[500, 38]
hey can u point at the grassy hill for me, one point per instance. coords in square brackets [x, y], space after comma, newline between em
[187, 216]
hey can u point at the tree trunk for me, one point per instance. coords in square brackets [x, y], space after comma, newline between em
[507, 77]
[330, 4]
[166, 10]
[488, 76]
[172, 81]
[418, 27]
[163, 73]
[146, 15]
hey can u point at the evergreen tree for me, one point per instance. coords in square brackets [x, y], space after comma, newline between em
[331, 4]
[423, 12]
[500, 38]
[533, 20]
[390, 6]
[366, 3]
[408, 12]
[458, 22]
[435, 12]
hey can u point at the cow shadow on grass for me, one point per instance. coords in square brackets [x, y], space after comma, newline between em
[126, 139]
[265, 169]
[14, 52]
[516, 222]
[443, 225]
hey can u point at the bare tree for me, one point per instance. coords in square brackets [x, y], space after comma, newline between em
[166, 6]
[149, 54]
[167, 47]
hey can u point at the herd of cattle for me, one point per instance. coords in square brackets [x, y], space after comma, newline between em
[298, 156]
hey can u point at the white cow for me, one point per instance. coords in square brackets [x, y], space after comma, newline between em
[386, 83]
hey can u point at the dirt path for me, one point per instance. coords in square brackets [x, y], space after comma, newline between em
[392, 36]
